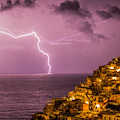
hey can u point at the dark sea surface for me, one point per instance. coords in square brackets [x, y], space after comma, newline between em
[23, 95]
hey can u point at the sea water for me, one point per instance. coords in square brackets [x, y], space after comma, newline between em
[23, 95]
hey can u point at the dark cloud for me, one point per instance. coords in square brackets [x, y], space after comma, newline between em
[88, 30]
[78, 18]
[100, 36]
[104, 15]
[29, 3]
[112, 12]
[17, 2]
[72, 7]
[115, 10]
[9, 5]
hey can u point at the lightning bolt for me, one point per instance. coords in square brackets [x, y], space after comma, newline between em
[68, 38]
[41, 39]
[9, 33]
[63, 40]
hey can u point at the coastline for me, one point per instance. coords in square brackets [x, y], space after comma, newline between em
[98, 98]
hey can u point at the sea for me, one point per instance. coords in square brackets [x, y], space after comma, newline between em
[22, 95]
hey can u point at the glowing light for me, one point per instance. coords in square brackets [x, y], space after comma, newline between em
[25, 35]
[111, 68]
[97, 105]
[64, 104]
[73, 98]
[118, 70]
[114, 78]
[100, 80]
[87, 102]
[64, 97]
[68, 38]
[63, 40]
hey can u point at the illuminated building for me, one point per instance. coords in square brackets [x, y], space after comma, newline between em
[98, 98]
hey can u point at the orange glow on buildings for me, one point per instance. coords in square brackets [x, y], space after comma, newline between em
[98, 98]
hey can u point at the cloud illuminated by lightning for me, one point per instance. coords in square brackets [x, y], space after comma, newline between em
[8, 32]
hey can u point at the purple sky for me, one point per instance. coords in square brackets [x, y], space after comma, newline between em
[93, 25]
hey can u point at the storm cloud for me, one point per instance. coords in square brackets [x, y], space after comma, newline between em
[104, 14]
[9, 5]
[72, 7]
[79, 35]
[112, 12]
[78, 18]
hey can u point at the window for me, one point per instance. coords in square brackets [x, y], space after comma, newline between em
[104, 118]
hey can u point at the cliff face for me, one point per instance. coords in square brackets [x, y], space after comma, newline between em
[97, 98]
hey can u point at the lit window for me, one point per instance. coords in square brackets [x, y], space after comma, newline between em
[118, 70]
[111, 68]
[100, 80]
[87, 102]
[114, 78]
[73, 98]
[97, 105]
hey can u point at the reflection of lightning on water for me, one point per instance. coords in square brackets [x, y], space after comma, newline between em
[25, 35]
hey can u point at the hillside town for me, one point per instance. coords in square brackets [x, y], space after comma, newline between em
[98, 98]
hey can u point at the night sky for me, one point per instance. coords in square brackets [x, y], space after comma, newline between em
[78, 35]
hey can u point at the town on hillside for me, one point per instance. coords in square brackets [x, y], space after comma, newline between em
[98, 98]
